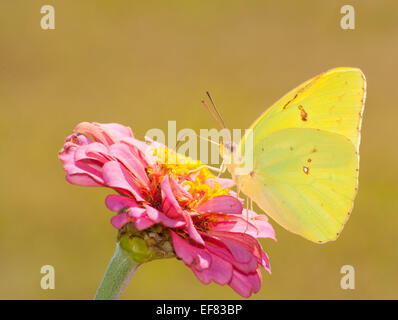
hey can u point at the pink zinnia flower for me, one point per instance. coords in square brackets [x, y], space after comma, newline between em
[181, 203]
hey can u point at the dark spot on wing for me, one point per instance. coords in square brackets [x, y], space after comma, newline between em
[311, 83]
[314, 150]
[309, 160]
[303, 114]
[252, 173]
[291, 148]
[306, 170]
[287, 103]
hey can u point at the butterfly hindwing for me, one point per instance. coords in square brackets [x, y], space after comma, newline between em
[305, 179]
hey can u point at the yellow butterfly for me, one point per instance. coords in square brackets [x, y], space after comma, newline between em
[306, 155]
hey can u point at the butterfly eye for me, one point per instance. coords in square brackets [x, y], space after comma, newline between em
[230, 147]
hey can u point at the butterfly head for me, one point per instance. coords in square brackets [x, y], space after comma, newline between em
[228, 152]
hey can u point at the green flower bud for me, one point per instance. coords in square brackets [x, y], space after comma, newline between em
[146, 245]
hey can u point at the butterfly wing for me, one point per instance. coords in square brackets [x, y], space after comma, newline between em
[305, 179]
[305, 150]
[332, 101]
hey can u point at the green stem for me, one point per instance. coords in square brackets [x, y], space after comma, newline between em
[118, 274]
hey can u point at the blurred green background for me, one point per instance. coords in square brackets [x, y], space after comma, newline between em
[141, 63]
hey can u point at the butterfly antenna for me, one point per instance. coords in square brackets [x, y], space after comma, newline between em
[208, 140]
[215, 108]
[212, 113]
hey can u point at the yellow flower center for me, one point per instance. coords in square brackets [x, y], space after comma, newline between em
[191, 174]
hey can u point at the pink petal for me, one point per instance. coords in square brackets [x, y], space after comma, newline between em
[78, 139]
[116, 176]
[143, 223]
[243, 223]
[131, 162]
[220, 271]
[245, 285]
[107, 134]
[224, 183]
[170, 205]
[94, 151]
[190, 254]
[264, 228]
[82, 180]
[137, 212]
[246, 241]
[265, 262]
[120, 220]
[239, 253]
[178, 190]
[217, 247]
[116, 202]
[231, 223]
[116, 130]
[221, 204]
[80, 173]
[159, 217]
[193, 233]
[141, 150]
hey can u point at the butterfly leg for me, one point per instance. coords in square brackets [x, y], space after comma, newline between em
[253, 220]
[223, 168]
[237, 190]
